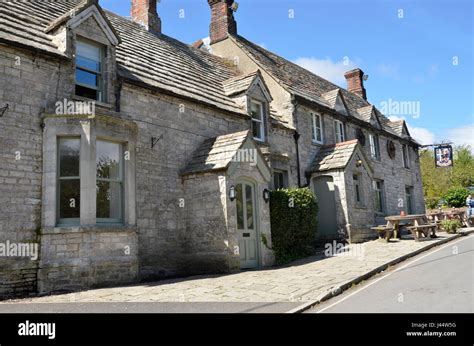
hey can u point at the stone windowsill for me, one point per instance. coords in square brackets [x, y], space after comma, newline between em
[113, 228]
[97, 103]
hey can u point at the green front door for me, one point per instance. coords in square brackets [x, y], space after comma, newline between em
[327, 222]
[247, 225]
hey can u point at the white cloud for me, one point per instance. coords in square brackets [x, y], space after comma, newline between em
[420, 134]
[462, 135]
[388, 70]
[326, 68]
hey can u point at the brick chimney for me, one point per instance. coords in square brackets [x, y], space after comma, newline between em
[144, 13]
[222, 20]
[355, 82]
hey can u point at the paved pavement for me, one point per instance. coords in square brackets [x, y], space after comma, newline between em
[440, 281]
[303, 281]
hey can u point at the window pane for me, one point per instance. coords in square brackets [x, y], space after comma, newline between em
[109, 200]
[88, 63]
[69, 198]
[239, 204]
[87, 78]
[249, 203]
[86, 92]
[108, 160]
[257, 129]
[256, 110]
[69, 149]
[87, 50]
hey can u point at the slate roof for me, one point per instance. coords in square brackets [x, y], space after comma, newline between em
[239, 84]
[156, 61]
[335, 156]
[215, 154]
[307, 85]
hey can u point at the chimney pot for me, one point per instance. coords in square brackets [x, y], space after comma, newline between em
[144, 13]
[355, 82]
[222, 20]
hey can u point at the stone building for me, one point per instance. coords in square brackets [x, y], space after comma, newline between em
[127, 155]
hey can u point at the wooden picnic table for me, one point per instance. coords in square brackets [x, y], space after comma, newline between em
[420, 225]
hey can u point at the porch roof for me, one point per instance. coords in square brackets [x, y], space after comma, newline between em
[215, 154]
[335, 156]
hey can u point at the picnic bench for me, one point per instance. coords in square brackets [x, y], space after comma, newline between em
[424, 231]
[384, 232]
[419, 226]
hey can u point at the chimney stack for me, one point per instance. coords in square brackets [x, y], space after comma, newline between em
[144, 13]
[222, 20]
[355, 82]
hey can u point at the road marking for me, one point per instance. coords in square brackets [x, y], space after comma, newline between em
[396, 270]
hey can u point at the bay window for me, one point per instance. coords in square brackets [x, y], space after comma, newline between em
[109, 171]
[69, 182]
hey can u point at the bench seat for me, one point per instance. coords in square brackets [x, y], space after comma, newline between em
[423, 232]
[384, 232]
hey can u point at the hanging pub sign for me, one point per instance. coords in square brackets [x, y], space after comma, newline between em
[443, 156]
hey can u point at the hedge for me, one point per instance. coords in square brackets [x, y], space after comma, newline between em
[293, 215]
[456, 197]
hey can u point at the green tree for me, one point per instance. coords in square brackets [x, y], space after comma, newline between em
[437, 181]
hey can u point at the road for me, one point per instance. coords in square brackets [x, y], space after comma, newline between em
[440, 281]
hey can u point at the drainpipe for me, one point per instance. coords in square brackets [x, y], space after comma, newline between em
[296, 137]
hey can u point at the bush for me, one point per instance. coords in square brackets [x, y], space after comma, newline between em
[293, 214]
[450, 226]
[456, 197]
[432, 202]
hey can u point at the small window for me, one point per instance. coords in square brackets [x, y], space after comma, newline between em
[280, 179]
[374, 146]
[317, 128]
[339, 131]
[409, 199]
[406, 156]
[357, 189]
[89, 70]
[379, 197]
[258, 128]
[69, 182]
[109, 167]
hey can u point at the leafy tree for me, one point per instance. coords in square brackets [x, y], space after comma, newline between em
[437, 181]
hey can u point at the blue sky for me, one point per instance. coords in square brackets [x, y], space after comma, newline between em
[419, 52]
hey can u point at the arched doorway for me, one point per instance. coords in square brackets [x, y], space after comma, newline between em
[327, 221]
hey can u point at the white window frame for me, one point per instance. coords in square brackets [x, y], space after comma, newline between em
[260, 122]
[315, 129]
[119, 180]
[374, 146]
[100, 73]
[339, 132]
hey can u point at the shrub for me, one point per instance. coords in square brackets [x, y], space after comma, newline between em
[456, 197]
[293, 214]
[450, 226]
[432, 202]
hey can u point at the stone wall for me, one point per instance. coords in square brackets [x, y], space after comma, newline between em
[28, 83]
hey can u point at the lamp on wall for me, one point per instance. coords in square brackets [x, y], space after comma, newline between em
[3, 110]
[232, 193]
[359, 162]
[266, 195]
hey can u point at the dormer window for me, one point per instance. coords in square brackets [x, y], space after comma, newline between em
[258, 123]
[89, 65]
